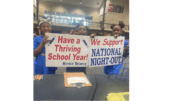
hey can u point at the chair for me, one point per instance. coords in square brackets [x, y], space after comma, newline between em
[124, 74]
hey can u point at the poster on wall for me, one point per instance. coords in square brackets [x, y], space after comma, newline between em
[105, 51]
[115, 8]
[110, 9]
[67, 50]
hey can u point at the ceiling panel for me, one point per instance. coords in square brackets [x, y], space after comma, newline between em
[85, 3]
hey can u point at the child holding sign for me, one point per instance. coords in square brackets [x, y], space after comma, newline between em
[39, 48]
[117, 31]
[79, 30]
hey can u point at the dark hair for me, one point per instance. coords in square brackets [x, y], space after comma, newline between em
[43, 18]
[120, 24]
[78, 25]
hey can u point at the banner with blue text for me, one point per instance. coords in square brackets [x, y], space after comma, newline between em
[105, 50]
[82, 51]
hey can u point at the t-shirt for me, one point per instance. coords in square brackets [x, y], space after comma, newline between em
[40, 63]
[115, 69]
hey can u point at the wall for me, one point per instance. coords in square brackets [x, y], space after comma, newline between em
[113, 17]
[58, 7]
[34, 9]
[110, 17]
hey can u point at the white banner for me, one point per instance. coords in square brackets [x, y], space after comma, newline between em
[105, 51]
[67, 50]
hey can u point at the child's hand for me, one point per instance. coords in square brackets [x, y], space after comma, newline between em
[71, 32]
[45, 39]
[92, 35]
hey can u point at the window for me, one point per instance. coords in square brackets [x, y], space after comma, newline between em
[65, 18]
[47, 14]
[53, 14]
[57, 17]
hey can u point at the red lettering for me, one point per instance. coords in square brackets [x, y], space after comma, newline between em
[79, 50]
[93, 41]
[98, 42]
[80, 57]
[62, 57]
[50, 56]
[86, 57]
[58, 57]
[74, 55]
[114, 42]
[121, 41]
[77, 58]
[110, 43]
[78, 41]
[54, 57]
[105, 42]
[69, 56]
[56, 47]
[65, 40]
[66, 57]
[70, 40]
[60, 39]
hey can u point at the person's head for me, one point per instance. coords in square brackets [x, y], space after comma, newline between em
[81, 30]
[45, 25]
[117, 29]
[108, 34]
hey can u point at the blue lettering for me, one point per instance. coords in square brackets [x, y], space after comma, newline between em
[98, 62]
[107, 58]
[93, 52]
[109, 51]
[97, 53]
[95, 61]
[112, 51]
[115, 59]
[102, 49]
[105, 52]
[119, 51]
[92, 61]
[103, 61]
[116, 53]
[118, 59]
[112, 60]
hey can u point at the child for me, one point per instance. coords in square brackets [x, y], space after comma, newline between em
[79, 30]
[116, 31]
[39, 48]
